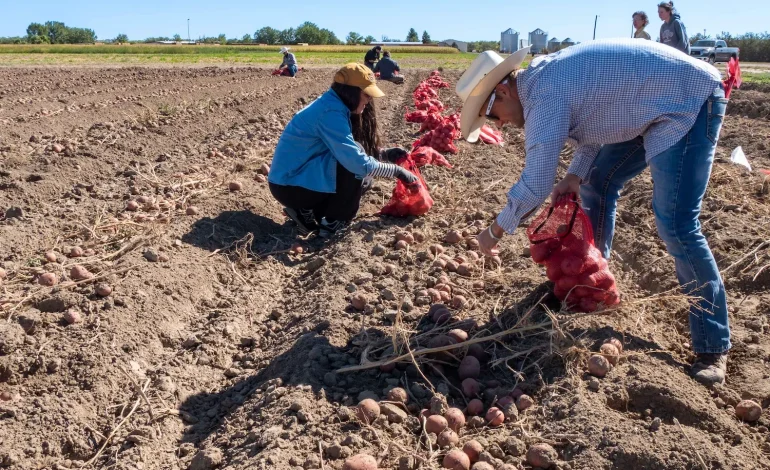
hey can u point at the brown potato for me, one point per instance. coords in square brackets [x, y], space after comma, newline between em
[598, 365]
[456, 459]
[435, 424]
[495, 417]
[542, 456]
[473, 449]
[455, 419]
[367, 411]
[610, 351]
[360, 462]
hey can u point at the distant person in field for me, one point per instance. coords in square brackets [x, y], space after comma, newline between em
[640, 22]
[289, 64]
[672, 31]
[372, 56]
[679, 104]
[388, 69]
[328, 150]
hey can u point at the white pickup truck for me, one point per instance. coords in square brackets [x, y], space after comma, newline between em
[713, 50]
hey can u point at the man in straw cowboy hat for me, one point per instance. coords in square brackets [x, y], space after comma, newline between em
[625, 105]
[289, 62]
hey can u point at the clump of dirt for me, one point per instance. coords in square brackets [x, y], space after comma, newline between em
[220, 344]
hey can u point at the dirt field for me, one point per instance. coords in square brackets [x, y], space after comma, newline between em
[217, 346]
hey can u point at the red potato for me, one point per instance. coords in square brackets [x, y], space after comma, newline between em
[297, 248]
[360, 462]
[76, 252]
[406, 237]
[72, 316]
[103, 290]
[48, 279]
[472, 244]
[264, 169]
[471, 388]
[458, 335]
[80, 273]
[398, 395]
[435, 424]
[610, 352]
[523, 402]
[475, 407]
[191, 210]
[459, 302]
[260, 179]
[3, 274]
[465, 270]
[439, 263]
[401, 245]
[505, 401]
[478, 285]
[144, 200]
[367, 411]
[571, 266]
[598, 365]
[456, 459]
[358, 302]
[473, 450]
[455, 419]
[447, 439]
[588, 305]
[446, 297]
[540, 252]
[132, 206]
[460, 259]
[495, 417]
[482, 466]
[553, 271]
[441, 315]
[453, 237]
[576, 246]
[470, 368]
[419, 237]
[443, 288]
[617, 343]
[748, 410]
[235, 186]
[565, 283]
[435, 296]
[542, 456]
[50, 257]
[452, 266]
[436, 249]
[444, 279]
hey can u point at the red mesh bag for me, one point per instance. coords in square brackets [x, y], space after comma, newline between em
[416, 116]
[561, 239]
[408, 200]
[432, 121]
[733, 79]
[428, 156]
[431, 106]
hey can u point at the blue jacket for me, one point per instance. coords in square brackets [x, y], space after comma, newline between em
[314, 141]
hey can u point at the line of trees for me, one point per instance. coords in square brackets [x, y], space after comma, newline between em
[56, 32]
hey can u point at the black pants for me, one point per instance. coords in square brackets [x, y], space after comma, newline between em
[340, 205]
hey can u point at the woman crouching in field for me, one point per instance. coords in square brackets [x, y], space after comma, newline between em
[325, 154]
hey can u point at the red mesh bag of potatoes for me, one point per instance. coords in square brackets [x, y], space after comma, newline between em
[408, 200]
[561, 239]
[416, 116]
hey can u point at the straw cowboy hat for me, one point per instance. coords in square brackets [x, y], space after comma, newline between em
[477, 84]
[284, 50]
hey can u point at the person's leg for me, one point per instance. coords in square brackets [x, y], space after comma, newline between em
[680, 176]
[300, 204]
[292, 70]
[613, 167]
[342, 206]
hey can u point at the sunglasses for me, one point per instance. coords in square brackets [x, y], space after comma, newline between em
[491, 103]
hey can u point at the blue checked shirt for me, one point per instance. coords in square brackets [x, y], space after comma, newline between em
[602, 92]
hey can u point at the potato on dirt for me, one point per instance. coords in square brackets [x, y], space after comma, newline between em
[455, 419]
[495, 417]
[132, 206]
[610, 351]
[441, 315]
[50, 257]
[452, 266]
[470, 368]
[260, 179]
[471, 388]
[360, 462]
[617, 343]
[80, 273]
[482, 466]
[435, 424]
[398, 395]
[72, 316]
[459, 302]
[458, 335]
[367, 411]
[264, 169]
[473, 449]
[453, 237]
[542, 456]
[456, 459]
[598, 365]
[358, 301]
[234, 185]
[4, 274]
[103, 289]
[435, 296]
[447, 438]
[523, 402]
[75, 252]
[477, 350]
[48, 279]
[748, 410]
[405, 237]
[419, 237]
[401, 245]
[465, 270]
[436, 249]
[192, 210]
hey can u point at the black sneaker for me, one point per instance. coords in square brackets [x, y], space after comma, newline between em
[328, 229]
[303, 218]
[710, 369]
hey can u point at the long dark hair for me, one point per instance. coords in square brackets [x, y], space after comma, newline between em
[668, 6]
[364, 125]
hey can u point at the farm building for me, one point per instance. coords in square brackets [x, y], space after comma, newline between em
[509, 41]
[554, 45]
[539, 40]
[461, 45]
[567, 42]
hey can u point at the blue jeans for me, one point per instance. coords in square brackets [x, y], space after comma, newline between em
[680, 176]
[292, 70]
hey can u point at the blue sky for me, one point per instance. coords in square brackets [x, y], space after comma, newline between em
[456, 19]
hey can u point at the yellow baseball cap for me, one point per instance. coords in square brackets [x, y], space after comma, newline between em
[360, 76]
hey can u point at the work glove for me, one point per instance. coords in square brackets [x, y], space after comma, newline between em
[393, 154]
[406, 177]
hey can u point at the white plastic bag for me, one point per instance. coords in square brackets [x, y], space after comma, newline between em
[739, 158]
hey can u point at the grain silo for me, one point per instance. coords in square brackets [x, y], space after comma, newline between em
[538, 39]
[554, 45]
[567, 42]
[509, 40]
